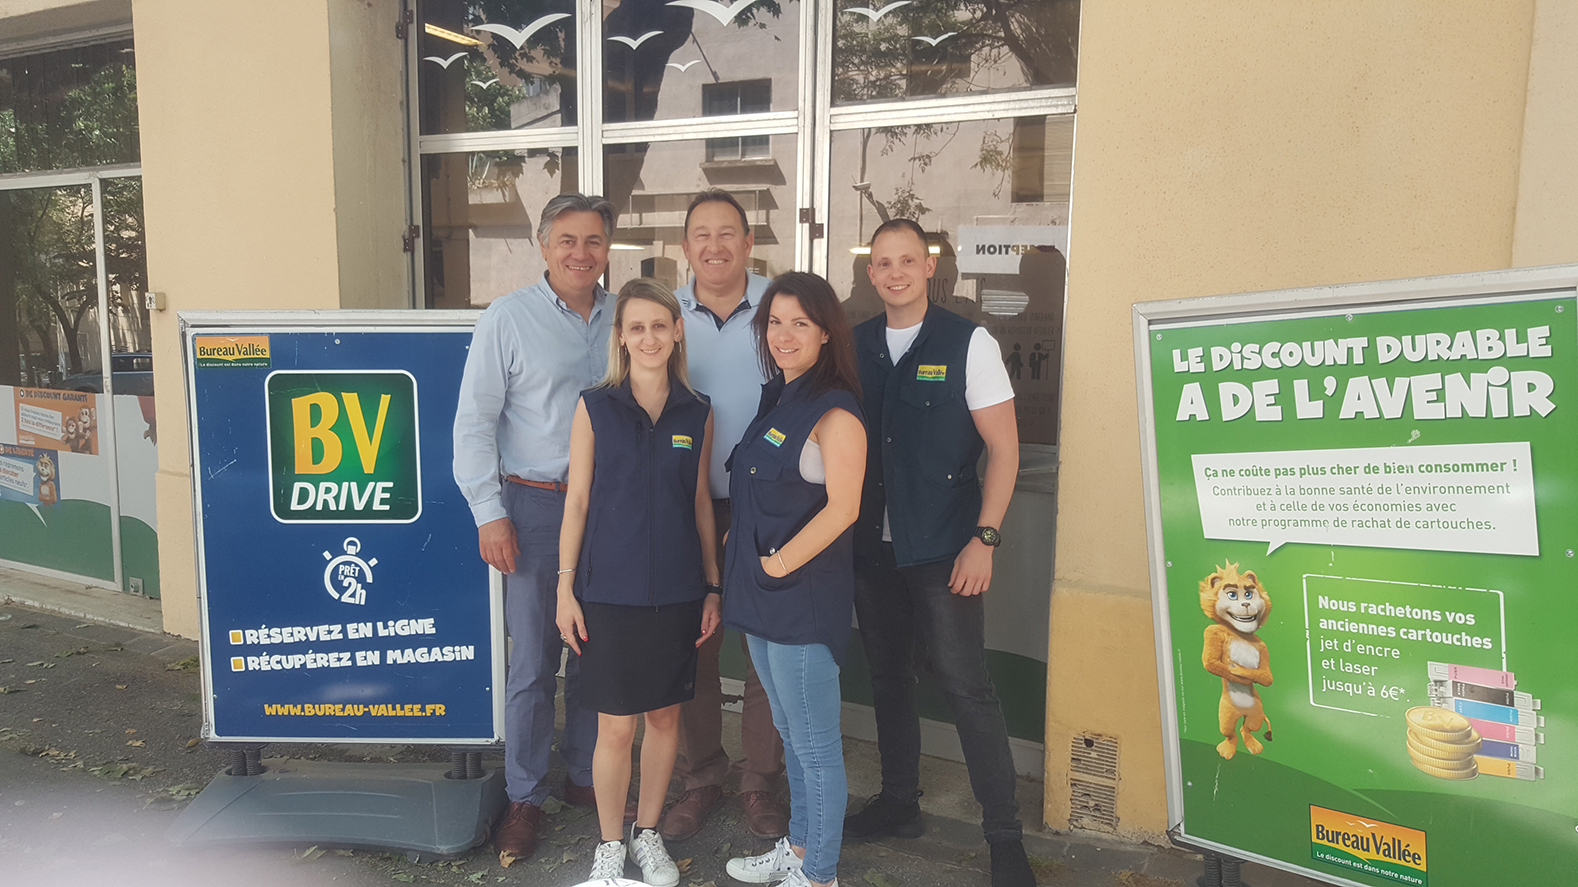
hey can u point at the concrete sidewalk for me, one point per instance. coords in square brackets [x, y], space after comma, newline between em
[100, 715]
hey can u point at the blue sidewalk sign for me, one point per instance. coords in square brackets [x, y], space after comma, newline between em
[341, 593]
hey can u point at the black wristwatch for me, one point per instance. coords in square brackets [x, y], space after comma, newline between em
[989, 536]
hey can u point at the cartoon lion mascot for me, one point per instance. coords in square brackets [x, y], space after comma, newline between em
[47, 494]
[1238, 606]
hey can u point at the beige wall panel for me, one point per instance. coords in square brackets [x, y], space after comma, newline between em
[1109, 688]
[238, 175]
[367, 76]
[1225, 147]
[1547, 227]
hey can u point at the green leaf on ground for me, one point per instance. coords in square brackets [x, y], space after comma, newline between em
[879, 879]
[552, 805]
[133, 772]
[190, 663]
[5, 690]
[78, 651]
[1047, 868]
[1127, 878]
[405, 877]
[46, 751]
[308, 855]
[476, 877]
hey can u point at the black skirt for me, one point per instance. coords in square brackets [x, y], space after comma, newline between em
[638, 659]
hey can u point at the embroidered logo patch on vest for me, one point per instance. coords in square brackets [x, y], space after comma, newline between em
[681, 441]
[774, 437]
[931, 373]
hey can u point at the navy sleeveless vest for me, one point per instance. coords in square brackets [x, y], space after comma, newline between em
[772, 502]
[641, 547]
[921, 442]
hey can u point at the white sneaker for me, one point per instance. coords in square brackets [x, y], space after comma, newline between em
[774, 865]
[797, 878]
[647, 851]
[608, 861]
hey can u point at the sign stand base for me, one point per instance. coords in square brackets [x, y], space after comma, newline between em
[416, 808]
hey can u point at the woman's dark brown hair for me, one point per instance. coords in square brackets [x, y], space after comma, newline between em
[835, 363]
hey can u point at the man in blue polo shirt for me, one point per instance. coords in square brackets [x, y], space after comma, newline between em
[718, 306]
[533, 352]
[936, 395]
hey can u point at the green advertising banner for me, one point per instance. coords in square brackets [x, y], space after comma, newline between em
[1363, 517]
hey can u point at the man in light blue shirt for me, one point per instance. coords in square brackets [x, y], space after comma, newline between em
[718, 306]
[533, 352]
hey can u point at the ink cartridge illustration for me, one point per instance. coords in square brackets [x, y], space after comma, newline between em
[1503, 721]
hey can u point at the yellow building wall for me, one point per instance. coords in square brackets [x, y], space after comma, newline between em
[250, 198]
[1224, 147]
[1546, 232]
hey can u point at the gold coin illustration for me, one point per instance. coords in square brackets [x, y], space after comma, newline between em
[1438, 723]
[1442, 773]
[1440, 748]
[1423, 761]
[1440, 751]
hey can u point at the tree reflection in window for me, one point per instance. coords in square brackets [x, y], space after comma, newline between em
[488, 65]
[69, 108]
[934, 47]
[48, 285]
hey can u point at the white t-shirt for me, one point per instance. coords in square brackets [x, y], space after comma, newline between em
[985, 377]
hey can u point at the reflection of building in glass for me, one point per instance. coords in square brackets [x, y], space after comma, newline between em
[658, 182]
[994, 196]
[481, 217]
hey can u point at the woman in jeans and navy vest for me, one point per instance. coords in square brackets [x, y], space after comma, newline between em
[794, 482]
[638, 580]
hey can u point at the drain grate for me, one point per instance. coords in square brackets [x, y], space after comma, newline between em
[1094, 755]
[1093, 782]
[1093, 805]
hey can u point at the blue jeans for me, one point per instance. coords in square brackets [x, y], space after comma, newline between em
[530, 606]
[801, 681]
[894, 605]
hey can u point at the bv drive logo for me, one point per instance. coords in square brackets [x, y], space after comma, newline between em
[343, 446]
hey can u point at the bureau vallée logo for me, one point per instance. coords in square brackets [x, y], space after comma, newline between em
[343, 446]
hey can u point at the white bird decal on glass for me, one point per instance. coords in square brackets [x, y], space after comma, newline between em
[933, 41]
[635, 42]
[722, 12]
[443, 63]
[685, 67]
[520, 37]
[876, 14]
[485, 83]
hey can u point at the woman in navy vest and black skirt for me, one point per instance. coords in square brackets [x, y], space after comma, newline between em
[794, 483]
[638, 583]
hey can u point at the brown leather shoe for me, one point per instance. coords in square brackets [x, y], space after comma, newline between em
[579, 795]
[764, 816]
[689, 813]
[517, 833]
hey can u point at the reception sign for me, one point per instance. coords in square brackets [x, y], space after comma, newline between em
[343, 599]
[1363, 515]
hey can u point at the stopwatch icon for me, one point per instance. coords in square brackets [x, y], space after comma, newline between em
[347, 576]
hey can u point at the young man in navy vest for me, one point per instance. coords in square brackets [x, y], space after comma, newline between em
[936, 395]
[718, 305]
